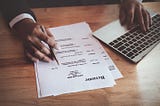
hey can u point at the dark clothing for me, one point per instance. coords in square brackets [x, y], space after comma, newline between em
[12, 8]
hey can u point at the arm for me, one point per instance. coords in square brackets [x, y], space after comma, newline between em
[27, 29]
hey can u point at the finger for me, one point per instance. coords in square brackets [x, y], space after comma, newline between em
[38, 44]
[40, 55]
[49, 33]
[44, 36]
[140, 19]
[32, 58]
[130, 17]
[150, 19]
[146, 19]
[52, 37]
[122, 16]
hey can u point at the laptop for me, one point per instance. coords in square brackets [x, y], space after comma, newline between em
[132, 44]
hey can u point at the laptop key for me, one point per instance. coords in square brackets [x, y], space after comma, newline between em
[121, 48]
[132, 57]
[119, 39]
[128, 49]
[126, 44]
[132, 47]
[111, 43]
[115, 41]
[149, 41]
[138, 48]
[124, 41]
[141, 35]
[128, 38]
[124, 51]
[139, 42]
[135, 44]
[134, 40]
[134, 51]
[142, 46]
[143, 40]
[130, 54]
[118, 44]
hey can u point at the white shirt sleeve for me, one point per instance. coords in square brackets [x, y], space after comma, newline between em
[19, 18]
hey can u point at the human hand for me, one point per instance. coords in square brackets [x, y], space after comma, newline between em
[32, 36]
[132, 12]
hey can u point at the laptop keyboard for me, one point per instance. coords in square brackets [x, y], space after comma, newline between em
[132, 43]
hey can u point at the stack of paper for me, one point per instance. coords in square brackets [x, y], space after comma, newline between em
[84, 64]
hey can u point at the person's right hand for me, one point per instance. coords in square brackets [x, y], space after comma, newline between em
[132, 12]
[32, 36]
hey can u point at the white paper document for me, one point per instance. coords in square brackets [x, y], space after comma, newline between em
[83, 63]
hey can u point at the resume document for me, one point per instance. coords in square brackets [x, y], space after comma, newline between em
[83, 63]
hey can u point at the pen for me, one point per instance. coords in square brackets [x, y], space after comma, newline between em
[51, 49]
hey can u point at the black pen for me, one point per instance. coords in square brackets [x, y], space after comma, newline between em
[51, 49]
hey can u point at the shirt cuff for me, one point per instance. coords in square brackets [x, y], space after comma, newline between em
[19, 18]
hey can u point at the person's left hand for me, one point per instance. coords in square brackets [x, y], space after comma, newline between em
[33, 36]
[132, 12]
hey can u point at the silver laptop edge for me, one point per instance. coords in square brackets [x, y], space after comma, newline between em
[111, 31]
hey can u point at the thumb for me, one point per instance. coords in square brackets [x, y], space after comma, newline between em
[41, 33]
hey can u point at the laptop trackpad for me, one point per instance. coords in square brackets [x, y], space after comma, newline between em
[110, 32]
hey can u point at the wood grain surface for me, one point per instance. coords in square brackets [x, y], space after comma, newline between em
[139, 87]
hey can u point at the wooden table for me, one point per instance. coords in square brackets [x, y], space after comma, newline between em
[140, 85]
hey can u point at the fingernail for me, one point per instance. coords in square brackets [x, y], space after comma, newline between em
[37, 60]
[57, 47]
[45, 50]
[144, 31]
[51, 42]
[48, 59]
[122, 23]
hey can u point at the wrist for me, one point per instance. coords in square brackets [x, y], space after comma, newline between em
[24, 27]
[21, 17]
